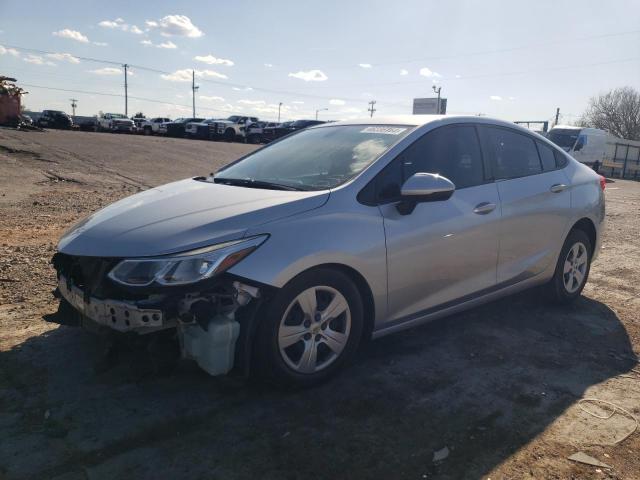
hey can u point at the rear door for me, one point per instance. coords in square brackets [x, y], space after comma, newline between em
[535, 199]
[444, 251]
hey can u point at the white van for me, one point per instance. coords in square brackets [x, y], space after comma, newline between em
[587, 145]
[599, 149]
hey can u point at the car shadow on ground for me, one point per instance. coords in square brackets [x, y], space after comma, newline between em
[482, 384]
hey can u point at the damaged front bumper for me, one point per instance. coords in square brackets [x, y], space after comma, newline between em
[214, 320]
[121, 316]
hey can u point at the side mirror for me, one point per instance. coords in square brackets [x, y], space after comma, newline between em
[424, 187]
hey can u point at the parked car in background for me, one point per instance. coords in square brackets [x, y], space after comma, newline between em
[284, 261]
[55, 119]
[115, 122]
[273, 133]
[86, 123]
[176, 128]
[199, 129]
[152, 125]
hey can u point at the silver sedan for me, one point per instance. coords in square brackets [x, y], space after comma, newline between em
[283, 261]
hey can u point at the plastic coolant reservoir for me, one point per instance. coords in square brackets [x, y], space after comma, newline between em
[214, 349]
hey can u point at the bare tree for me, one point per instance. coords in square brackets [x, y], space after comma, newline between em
[617, 111]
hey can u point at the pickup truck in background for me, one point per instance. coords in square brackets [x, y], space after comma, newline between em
[151, 126]
[115, 122]
[232, 128]
[199, 129]
[176, 128]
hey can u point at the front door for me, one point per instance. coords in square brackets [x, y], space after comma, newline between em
[443, 251]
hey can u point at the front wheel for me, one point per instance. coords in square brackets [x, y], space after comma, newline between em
[572, 269]
[311, 329]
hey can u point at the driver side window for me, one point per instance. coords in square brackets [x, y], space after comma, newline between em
[452, 151]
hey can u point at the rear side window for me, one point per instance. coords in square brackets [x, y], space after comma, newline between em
[513, 154]
[547, 156]
[561, 160]
[451, 151]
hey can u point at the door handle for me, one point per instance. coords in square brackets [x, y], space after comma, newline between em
[558, 187]
[484, 208]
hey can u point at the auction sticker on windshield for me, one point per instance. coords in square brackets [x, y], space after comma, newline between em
[384, 130]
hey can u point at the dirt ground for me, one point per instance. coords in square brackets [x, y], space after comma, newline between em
[497, 386]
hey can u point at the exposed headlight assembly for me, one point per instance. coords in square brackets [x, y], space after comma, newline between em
[186, 267]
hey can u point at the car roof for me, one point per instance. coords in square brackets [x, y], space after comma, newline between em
[422, 120]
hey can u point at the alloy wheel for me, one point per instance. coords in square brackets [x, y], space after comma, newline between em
[575, 267]
[314, 329]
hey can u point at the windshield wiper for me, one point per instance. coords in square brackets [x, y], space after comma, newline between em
[246, 182]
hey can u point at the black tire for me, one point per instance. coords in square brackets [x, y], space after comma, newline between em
[557, 289]
[147, 130]
[268, 360]
[230, 135]
[253, 139]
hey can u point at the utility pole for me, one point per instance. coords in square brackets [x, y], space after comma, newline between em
[437, 90]
[126, 91]
[371, 109]
[74, 104]
[557, 116]
[194, 89]
[279, 106]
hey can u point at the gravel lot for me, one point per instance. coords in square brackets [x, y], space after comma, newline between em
[498, 386]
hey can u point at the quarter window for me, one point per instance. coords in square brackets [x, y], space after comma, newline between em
[547, 156]
[451, 151]
[513, 154]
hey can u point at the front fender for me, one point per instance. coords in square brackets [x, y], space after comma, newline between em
[352, 237]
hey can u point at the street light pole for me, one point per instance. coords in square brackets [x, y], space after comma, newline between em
[320, 110]
[437, 90]
[279, 106]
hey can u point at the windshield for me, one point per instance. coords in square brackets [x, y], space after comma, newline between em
[564, 138]
[316, 159]
[117, 115]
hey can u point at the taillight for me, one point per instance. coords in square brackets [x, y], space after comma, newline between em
[603, 183]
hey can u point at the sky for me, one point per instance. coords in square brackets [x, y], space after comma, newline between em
[516, 60]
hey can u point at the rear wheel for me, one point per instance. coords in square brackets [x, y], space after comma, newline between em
[572, 269]
[312, 328]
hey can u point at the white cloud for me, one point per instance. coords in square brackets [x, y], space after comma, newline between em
[457, 76]
[107, 71]
[168, 44]
[175, 25]
[146, 42]
[38, 60]
[426, 72]
[184, 75]
[298, 102]
[120, 24]
[336, 101]
[211, 98]
[495, 97]
[211, 60]
[252, 102]
[351, 110]
[268, 65]
[365, 65]
[9, 51]
[310, 75]
[244, 89]
[512, 98]
[64, 57]
[101, 44]
[109, 23]
[72, 35]
[404, 72]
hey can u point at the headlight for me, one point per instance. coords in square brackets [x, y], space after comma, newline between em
[184, 268]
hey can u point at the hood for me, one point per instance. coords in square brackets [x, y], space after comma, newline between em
[181, 216]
